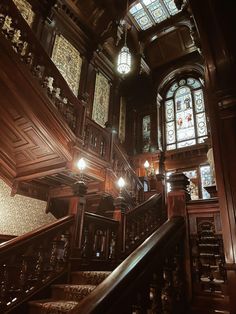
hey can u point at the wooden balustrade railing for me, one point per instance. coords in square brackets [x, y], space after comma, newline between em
[150, 280]
[31, 261]
[99, 241]
[122, 168]
[14, 28]
[141, 221]
[97, 140]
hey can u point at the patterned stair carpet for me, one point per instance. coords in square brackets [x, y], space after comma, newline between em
[65, 297]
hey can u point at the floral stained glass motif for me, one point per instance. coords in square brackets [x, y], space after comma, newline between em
[101, 100]
[68, 61]
[147, 13]
[146, 133]
[185, 114]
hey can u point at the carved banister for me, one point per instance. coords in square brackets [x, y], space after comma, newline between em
[97, 140]
[24, 43]
[99, 240]
[33, 260]
[142, 220]
[150, 280]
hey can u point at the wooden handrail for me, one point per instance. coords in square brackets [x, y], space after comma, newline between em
[149, 202]
[97, 217]
[108, 296]
[17, 242]
[31, 261]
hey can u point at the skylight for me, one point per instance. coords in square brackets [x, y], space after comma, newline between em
[147, 13]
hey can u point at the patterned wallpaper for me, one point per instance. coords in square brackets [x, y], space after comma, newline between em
[68, 61]
[20, 214]
[26, 10]
[101, 100]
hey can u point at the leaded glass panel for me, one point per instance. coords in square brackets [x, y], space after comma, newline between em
[185, 107]
[199, 102]
[172, 90]
[170, 147]
[202, 139]
[156, 10]
[193, 82]
[68, 61]
[201, 124]
[141, 16]
[170, 132]
[171, 7]
[170, 114]
[186, 143]
[148, 12]
[206, 179]
[184, 114]
[146, 133]
[101, 100]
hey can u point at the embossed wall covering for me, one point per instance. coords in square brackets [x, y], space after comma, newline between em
[20, 214]
[101, 100]
[122, 120]
[68, 61]
[26, 10]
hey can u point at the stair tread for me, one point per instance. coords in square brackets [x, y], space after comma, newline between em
[63, 306]
[89, 277]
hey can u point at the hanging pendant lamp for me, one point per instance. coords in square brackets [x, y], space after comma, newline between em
[124, 57]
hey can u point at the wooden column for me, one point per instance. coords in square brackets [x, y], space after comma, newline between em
[119, 215]
[215, 22]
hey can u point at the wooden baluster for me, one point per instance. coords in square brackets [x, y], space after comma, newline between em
[112, 246]
[4, 286]
[23, 274]
[85, 243]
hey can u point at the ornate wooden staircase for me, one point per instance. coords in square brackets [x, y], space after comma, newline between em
[65, 297]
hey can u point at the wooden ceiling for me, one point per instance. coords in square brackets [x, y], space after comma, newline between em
[158, 45]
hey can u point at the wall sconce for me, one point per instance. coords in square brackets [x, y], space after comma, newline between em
[81, 164]
[121, 184]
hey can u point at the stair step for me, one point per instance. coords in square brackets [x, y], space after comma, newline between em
[51, 306]
[89, 277]
[71, 292]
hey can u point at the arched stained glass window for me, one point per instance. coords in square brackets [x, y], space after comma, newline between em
[185, 114]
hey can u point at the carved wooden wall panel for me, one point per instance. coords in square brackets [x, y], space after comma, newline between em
[170, 46]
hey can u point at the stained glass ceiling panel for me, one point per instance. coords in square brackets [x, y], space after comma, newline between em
[147, 13]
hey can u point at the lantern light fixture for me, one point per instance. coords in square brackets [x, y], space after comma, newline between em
[124, 57]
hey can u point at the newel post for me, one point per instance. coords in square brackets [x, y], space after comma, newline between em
[177, 197]
[120, 215]
[80, 190]
[176, 203]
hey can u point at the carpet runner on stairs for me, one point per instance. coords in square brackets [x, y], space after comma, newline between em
[66, 297]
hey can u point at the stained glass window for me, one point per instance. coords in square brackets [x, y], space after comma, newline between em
[146, 133]
[101, 100]
[68, 61]
[185, 114]
[206, 179]
[147, 13]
